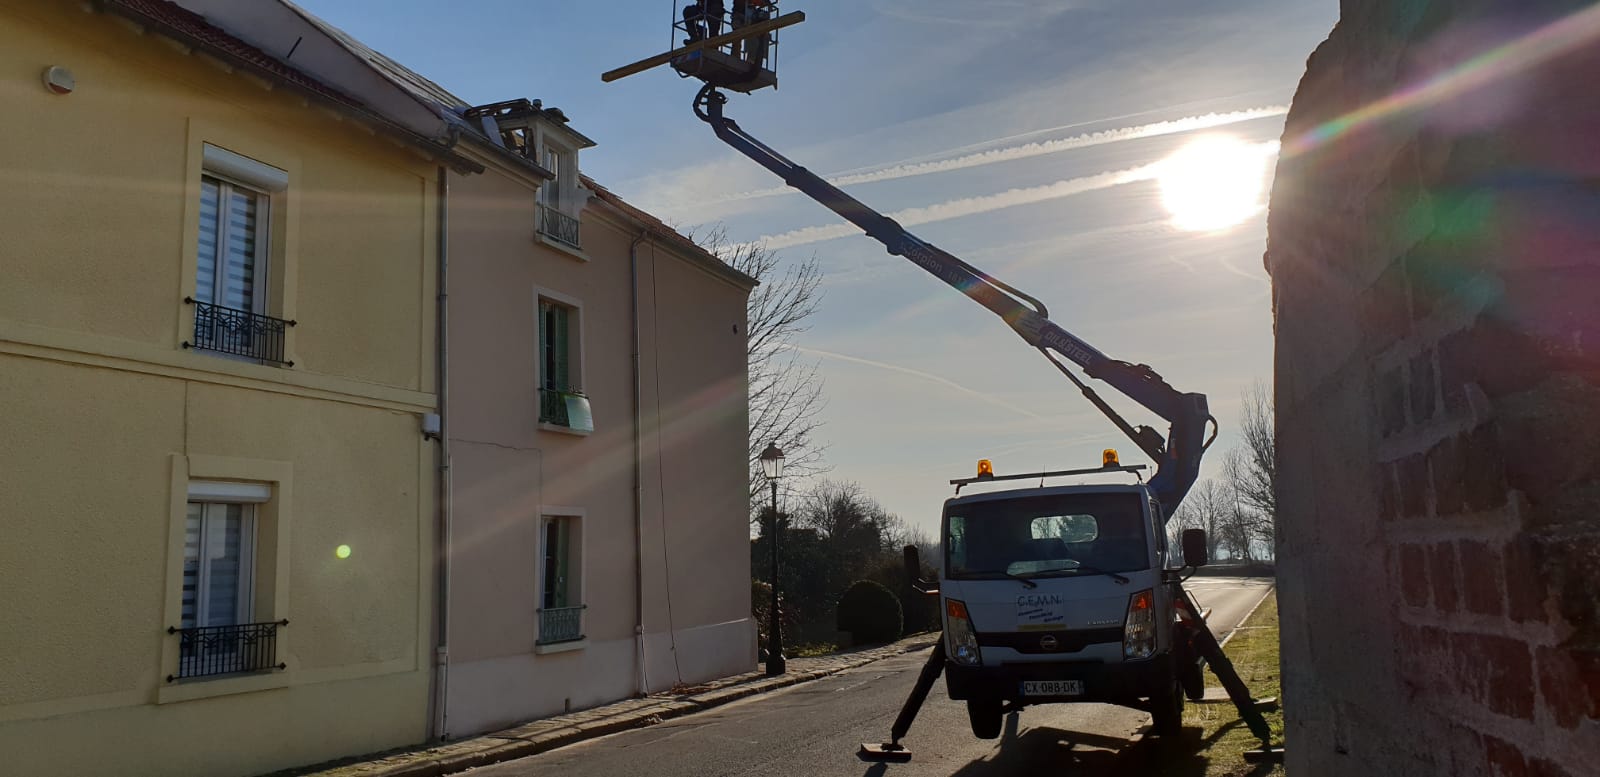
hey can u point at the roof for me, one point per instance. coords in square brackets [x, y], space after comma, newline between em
[192, 28]
[191, 25]
[667, 233]
[420, 87]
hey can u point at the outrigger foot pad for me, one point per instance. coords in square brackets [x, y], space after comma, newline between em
[1264, 755]
[886, 751]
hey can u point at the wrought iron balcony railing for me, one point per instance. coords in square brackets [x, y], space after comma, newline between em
[560, 227]
[560, 624]
[238, 333]
[206, 651]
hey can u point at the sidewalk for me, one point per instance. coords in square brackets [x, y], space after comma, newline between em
[550, 733]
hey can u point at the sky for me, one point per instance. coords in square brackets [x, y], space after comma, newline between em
[1035, 140]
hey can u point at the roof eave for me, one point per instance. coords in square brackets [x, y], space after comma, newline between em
[433, 147]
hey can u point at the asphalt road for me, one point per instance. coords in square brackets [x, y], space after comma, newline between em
[814, 729]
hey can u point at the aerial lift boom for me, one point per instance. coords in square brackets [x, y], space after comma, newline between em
[1177, 456]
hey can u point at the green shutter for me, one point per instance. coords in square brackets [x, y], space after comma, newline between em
[563, 356]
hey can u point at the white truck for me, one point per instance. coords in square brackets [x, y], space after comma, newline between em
[1065, 593]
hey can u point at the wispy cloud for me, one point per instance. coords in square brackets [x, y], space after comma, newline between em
[1025, 150]
[966, 206]
[946, 382]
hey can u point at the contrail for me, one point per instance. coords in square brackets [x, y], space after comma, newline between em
[969, 206]
[1026, 150]
[946, 382]
[964, 207]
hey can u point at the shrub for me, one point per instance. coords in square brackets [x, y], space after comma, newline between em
[761, 603]
[870, 612]
[920, 610]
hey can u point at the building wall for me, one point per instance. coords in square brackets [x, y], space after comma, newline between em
[1438, 382]
[106, 417]
[508, 470]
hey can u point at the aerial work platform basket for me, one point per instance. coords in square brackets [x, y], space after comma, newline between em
[729, 44]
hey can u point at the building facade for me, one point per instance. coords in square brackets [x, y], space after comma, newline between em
[217, 351]
[593, 524]
[596, 417]
[1434, 254]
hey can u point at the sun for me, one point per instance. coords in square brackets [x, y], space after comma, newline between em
[1213, 182]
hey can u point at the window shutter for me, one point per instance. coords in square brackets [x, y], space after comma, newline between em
[191, 566]
[205, 285]
[563, 356]
[239, 266]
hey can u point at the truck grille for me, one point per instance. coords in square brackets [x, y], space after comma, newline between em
[1038, 641]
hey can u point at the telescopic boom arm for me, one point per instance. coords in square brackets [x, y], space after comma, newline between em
[1177, 456]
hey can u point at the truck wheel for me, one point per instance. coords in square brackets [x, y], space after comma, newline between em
[1166, 712]
[985, 718]
[1194, 681]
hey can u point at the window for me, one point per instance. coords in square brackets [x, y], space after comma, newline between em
[216, 629]
[231, 284]
[232, 266]
[551, 192]
[218, 565]
[561, 403]
[558, 198]
[560, 601]
[1046, 535]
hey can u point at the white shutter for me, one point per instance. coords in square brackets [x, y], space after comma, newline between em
[221, 491]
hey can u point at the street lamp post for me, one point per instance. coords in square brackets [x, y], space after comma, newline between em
[772, 467]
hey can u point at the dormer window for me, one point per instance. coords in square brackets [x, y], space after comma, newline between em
[541, 135]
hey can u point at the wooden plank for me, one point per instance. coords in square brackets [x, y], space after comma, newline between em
[747, 31]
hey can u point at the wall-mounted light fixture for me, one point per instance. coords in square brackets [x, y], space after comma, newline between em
[59, 80]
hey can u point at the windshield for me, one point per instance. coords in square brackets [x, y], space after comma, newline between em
[1044, 535]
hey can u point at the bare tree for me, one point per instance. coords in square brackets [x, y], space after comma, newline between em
[1207, 507]
[1252, 465]
[786, 398]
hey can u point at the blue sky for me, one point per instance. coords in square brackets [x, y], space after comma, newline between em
[870, 83]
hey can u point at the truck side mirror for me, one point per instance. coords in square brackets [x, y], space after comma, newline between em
[913, 565]
[1194, 547]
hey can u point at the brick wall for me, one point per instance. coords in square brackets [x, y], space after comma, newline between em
[1436, 277]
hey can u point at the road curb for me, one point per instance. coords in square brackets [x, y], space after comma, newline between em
[513, 743]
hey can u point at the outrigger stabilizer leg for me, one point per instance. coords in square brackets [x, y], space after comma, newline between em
[1250, 708]
[892, 750]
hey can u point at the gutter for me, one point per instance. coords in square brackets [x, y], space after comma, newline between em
[438, 719]
[638, 462]
[443, 149]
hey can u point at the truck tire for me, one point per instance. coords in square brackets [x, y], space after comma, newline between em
[985, 718]
[1166, 712]
[1194, 681]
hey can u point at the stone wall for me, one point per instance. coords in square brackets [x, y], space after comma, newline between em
[1435, 253]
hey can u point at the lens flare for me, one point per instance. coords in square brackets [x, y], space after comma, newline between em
[343, 551]
[1213, 182]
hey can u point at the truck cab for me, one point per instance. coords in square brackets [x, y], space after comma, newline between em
[1062, 594]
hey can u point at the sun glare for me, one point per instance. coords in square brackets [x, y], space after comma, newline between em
[1213, 182]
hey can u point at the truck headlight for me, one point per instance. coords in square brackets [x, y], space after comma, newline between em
[1139, 629]
[961, 639]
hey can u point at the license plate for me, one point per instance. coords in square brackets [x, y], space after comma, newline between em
[1052, 687]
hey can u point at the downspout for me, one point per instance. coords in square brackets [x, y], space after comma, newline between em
[638, 465]
[439, 718]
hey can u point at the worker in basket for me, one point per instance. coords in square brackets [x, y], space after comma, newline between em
[747, 12]
[703, 18]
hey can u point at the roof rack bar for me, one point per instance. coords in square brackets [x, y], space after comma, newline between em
[1133, 468]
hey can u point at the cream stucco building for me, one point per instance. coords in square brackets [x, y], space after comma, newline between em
[595, 413]
[256, 486]
[217, 352]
